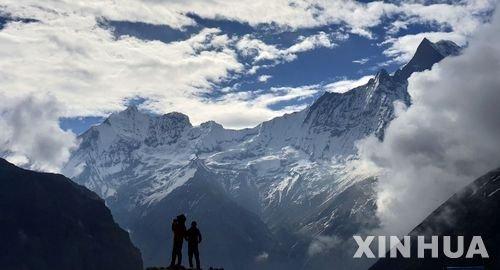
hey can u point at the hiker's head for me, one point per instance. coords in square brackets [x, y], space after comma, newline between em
[181, 218]
[193, 224]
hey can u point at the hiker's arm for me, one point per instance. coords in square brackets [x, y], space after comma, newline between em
[199, 236]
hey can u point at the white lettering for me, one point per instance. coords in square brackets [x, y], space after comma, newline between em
[404, 249]
[381, 247]
[422, 246]
[364, 246]
[447, 247]
[477, 247]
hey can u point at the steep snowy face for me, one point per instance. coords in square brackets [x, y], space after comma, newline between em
[148, 155]
[332, 125]
[329, 128]
[336, 121]
[166, 129]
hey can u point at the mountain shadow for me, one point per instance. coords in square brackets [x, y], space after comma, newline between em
[47, 222]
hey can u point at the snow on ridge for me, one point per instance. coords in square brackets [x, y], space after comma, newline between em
[287, 161]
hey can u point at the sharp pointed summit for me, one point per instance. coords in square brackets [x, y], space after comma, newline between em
[382, 75]
[427, 54]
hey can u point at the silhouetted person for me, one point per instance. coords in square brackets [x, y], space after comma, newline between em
[179, 230]
[193, 236]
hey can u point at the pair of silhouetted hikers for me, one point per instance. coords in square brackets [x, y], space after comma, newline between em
[192, 236]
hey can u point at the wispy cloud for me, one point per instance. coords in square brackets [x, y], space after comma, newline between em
[345, 85]
[361, 61]
[260, 51]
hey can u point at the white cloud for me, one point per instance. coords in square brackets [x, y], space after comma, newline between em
[264, 256]
[155, 12]
[90, 71]
[446, 139]
[247, 108]
[311, 42]
[260, 51]
[31, 136]
[264, 78]
[357, 17]
[345, 85]
[323, 244]
[361, 61]
[66, 54]
[77, 61]
[461, 18]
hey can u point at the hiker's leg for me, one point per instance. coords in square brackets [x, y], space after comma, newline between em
[190, 254]
[197, 257]
[174, 255]
[180, 255]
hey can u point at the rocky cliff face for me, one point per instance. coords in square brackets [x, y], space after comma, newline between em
[289, 171]
[49, 222]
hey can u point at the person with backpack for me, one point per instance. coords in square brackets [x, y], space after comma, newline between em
[179, 231]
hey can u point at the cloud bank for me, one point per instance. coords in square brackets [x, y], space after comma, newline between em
[31, 136]
[356, 16]
[446, 139]
[68, 54]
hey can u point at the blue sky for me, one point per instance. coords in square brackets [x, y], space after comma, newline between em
[238, 63]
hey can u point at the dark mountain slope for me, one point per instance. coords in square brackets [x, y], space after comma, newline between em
[472, 212]
[49, 222]
[233, 237]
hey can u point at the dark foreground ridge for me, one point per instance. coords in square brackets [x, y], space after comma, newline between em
[471, 212]
[47, 222]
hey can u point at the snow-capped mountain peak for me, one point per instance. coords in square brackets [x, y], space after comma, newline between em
[285, 170]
